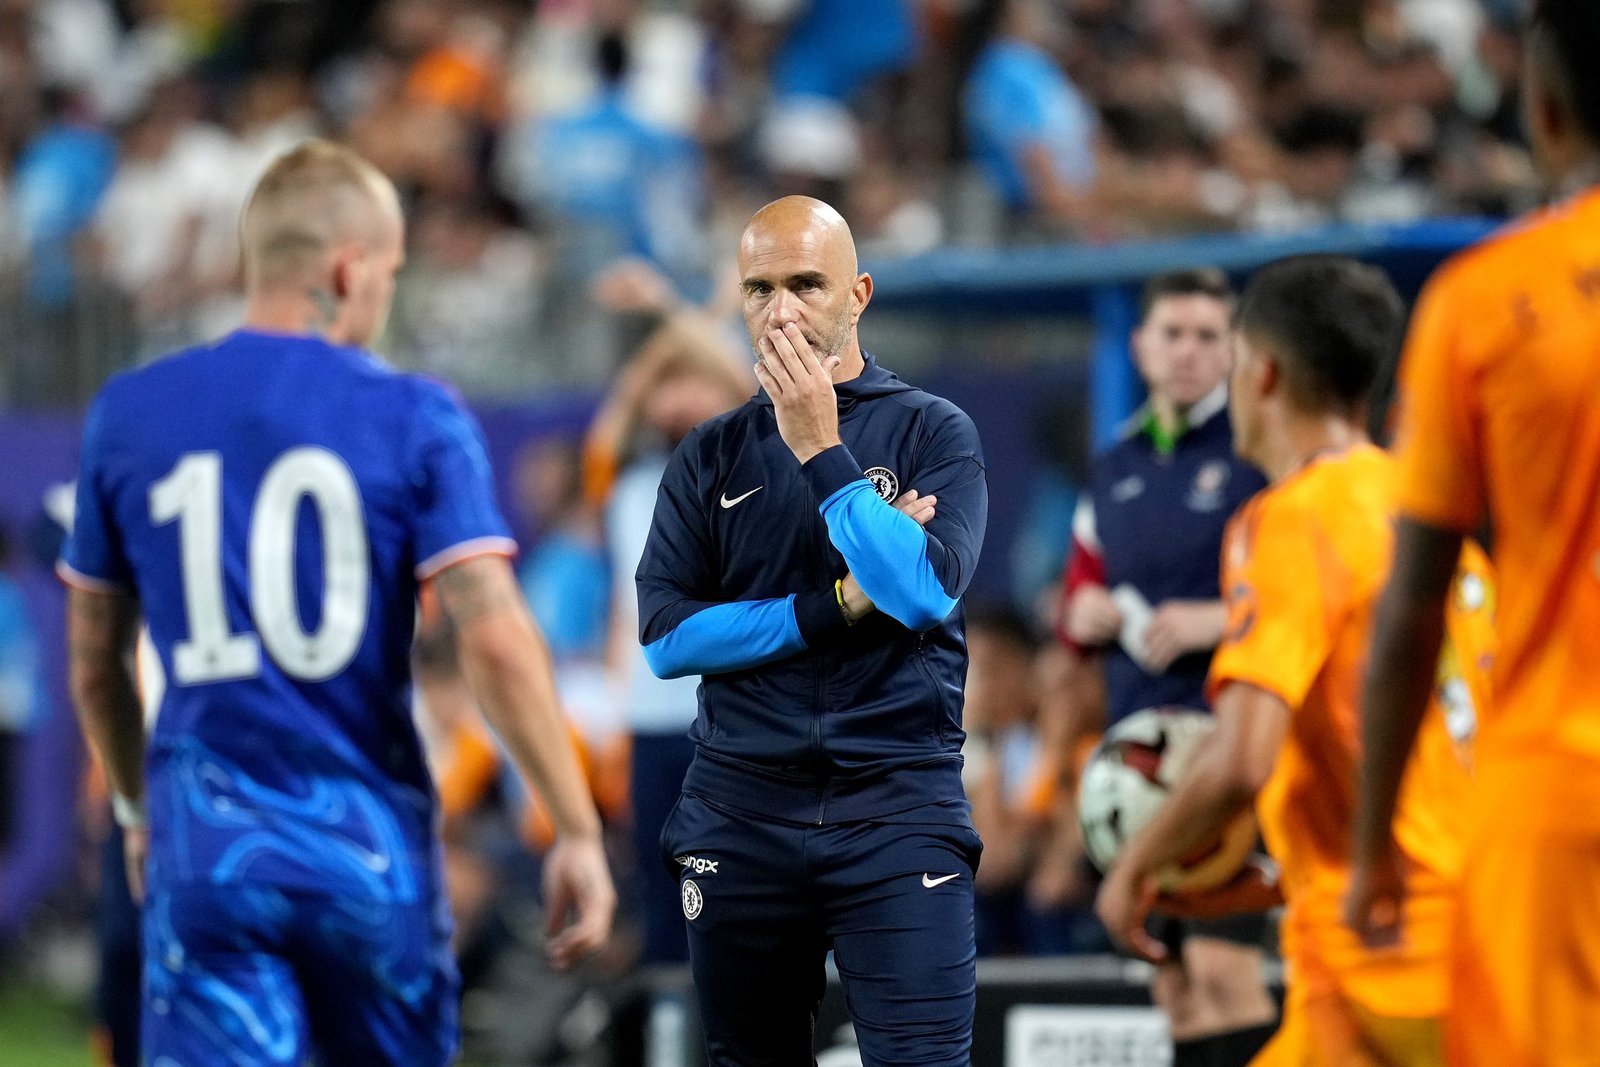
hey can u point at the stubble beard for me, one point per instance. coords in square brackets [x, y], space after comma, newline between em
[824, 344]
[833, 342]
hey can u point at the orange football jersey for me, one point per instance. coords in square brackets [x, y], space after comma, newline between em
[1500, 419]
[1303, 565]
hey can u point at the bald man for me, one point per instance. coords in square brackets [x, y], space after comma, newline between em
[273, 504]
[807, 558]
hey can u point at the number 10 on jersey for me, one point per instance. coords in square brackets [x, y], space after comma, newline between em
[192, 494]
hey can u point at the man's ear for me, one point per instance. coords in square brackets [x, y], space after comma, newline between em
[1135, 353]
[341, 280]
[349, 261]
[861, 294]
[1268, 372]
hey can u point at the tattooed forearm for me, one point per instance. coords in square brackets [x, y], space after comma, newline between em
[475, 588]
[100, 627]
[506, 665]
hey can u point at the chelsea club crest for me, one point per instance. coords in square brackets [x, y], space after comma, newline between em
[884, 481]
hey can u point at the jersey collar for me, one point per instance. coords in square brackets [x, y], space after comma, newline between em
[1143, 421]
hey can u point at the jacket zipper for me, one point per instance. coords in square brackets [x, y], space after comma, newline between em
[819, 675]
[933, 686]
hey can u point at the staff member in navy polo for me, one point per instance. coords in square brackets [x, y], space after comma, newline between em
[807, 558]
[1141, 589]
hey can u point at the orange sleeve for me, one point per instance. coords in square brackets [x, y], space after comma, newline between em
[601, 465]
[1278, 635]
[1041, 790]
[1436, 443]
[467, 772]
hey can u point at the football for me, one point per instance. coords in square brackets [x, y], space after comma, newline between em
[1128, 777]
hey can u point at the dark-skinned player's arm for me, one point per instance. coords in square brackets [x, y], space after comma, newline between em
[506, 664]
[1231, 766]
[1402, 668]
[915, 574]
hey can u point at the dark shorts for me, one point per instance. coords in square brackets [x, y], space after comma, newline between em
[765, 901]
[251, 974]
[1249, 930]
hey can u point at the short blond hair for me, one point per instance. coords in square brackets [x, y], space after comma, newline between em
[311, 199]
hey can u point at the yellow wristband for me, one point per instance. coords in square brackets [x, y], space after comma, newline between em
[838, 595]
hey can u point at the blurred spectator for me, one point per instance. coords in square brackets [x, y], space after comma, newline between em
[563, 571]
[611, 183]
[272, 113]
[54, 309]
[833, 49]
[566, 580]
[155, 47]
[401, 32]
[606, 184]
[170, 189]
[490, 862]
[73, 40]
[465, 71]
[1320, 155]
[830, 53]
[469, 300]
[21, 689]
[553, 69]
[1031, 132]
[687, 371]
[1012, 780]
[889, 215]
[59, 178]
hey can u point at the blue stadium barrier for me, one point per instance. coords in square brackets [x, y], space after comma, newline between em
[1103, 282]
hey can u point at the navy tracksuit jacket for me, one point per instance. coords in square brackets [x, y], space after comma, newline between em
[1156, 522]
[824, 807]
[802, 717]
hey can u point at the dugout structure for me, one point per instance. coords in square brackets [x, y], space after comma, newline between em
[1103, 283]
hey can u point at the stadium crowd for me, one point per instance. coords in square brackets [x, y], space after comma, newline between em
[537, 144]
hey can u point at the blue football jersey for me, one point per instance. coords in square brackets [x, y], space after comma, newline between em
[274, 502]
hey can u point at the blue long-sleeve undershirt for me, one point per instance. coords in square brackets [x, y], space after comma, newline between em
[888, 554]
[727, 637]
